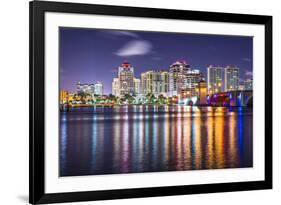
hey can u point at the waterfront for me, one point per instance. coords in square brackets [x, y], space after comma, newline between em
[133, 139]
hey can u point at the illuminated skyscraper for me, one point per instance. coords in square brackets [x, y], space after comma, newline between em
[98, 88]
[248, 84]
[193, 77]
[215, 79]
[137, 89]
[126, 79]
[85, 88]
[115, 87]
[125, 83]
[231, 77]
[91, 89]
[155, 82]
[177, 77]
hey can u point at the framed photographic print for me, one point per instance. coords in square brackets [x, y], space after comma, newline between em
[140, 102]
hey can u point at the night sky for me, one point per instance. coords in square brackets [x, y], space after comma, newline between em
[90, 55]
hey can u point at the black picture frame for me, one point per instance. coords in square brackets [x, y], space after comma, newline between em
[37, 9]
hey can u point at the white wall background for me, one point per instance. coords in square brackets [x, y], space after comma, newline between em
[14, 107]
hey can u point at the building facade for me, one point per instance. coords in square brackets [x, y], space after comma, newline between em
[98, 88]
[177, 77]
[137, 86]
[248, 84]
[115, 87]
[155, 82]
[126, 79]
[85, 88]
[231, 78]
[125, 83]
[215, 79]
[193, 77]
[90, 89]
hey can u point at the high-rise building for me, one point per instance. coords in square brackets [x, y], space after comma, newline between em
[248, 84]
[126, 79]
[125, 83]
[155, 82]
[85, 88]
[91, 89]
[231, 78]
[177, 77]
[115, 87]
[137, 89]
[98, 88]
[193, 77]
[215, 79]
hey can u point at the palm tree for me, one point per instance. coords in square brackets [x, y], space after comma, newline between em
[150, 98]
[83, 97]
[128, 98]
[112, 98]
[161, 99]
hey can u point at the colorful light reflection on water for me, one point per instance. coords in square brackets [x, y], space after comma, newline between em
[112, 140]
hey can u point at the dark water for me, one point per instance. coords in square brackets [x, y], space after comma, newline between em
[111, 140]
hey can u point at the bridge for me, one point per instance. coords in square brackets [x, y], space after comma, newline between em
[231, 98]
[225, 99]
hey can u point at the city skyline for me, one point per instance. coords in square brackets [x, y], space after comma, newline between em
[168, 109]
[142, 50]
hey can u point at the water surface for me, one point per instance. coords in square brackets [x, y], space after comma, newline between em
[132, 139]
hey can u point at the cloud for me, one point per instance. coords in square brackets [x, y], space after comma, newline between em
[249, 73]
[134, 48]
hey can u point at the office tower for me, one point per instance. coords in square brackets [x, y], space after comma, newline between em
[125, 83]
[214, 78]
[126, 79]
[231, 77]
[193, 77]
[85, 88]
[98, 88]
[137, 89]
[155, 82]
[115, 87]
[248, 84]
[177, 77]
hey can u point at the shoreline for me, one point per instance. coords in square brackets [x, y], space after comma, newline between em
[115, 105]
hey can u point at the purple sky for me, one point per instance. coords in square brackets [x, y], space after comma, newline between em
[90, 55]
